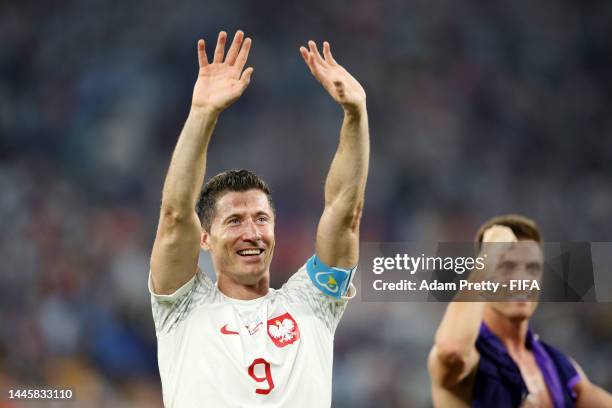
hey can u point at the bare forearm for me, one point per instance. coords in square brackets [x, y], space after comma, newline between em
[454, 356]
[186, 172]
[461, 323]
[459, 328]
[338, 231]
[349, 169]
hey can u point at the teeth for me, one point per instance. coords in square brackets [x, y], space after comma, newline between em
[249, 252]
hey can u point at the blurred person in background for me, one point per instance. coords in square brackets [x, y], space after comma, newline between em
[485, 355]
[238, 342]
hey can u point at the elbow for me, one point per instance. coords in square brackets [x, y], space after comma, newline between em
[447, 364]
[177, 206]
[453, 348]
[348, 209]
[355, 216]
[174, 215]
[350, 217]
[449, 353]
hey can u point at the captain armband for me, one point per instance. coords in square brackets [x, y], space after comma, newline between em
[330, 280]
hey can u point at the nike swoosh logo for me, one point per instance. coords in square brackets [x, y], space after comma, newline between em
[224, 330]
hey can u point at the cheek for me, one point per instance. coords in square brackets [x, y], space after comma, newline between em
[222, 242]
[229, 236]
[268, 233]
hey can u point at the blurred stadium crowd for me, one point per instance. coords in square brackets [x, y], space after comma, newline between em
[476, 109]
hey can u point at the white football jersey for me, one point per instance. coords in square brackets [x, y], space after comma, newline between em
[275, 351]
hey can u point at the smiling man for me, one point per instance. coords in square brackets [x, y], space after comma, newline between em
[239, 343]
[485, 355]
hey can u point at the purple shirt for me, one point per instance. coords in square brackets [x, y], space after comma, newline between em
[498, 379]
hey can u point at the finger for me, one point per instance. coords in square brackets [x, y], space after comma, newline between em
[304, 53]
[314, 68]
[230, 58]
[243, 54]
[306, 57]
[328, 55]
[245, 78]
[315, 52]
[202, 58]
[220, 48]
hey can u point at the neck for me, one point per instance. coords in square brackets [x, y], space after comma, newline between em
[512, 333]
[241, 291]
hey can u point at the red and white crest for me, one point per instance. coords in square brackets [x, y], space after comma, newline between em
[283, 330]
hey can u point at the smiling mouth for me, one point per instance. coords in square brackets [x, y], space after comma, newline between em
[250, 252]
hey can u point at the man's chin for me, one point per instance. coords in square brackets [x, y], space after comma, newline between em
[519, 310]
[250, 275]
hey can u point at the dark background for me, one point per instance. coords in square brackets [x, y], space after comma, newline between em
[476, 109]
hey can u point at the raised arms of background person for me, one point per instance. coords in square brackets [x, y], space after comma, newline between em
[175, 252]
[454, 355]
[338, 231]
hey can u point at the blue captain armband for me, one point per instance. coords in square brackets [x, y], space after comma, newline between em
[331, 281]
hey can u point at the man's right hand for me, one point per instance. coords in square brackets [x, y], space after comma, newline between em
[221, 82]
[496, 241]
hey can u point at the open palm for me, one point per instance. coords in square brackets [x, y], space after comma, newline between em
[341, 85]
[221, 82]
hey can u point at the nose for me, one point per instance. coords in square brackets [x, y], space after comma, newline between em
[251, 233]
[522, 272]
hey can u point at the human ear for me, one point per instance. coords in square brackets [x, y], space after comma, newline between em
[204, 241]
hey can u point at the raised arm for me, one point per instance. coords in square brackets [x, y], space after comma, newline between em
[338, 231]
[177, 243]
[454, 355]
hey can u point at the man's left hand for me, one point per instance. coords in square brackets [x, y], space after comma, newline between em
[341, 85]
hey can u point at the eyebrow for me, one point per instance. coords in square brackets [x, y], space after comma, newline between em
[241, 215]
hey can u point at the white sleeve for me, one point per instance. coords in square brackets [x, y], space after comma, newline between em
[170, 310]
[300, 289]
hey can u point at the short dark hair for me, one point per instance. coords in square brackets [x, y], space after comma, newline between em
[523, 228]
[230, 180]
